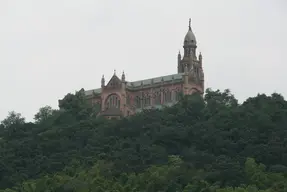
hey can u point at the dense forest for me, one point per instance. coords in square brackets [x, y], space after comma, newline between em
[210, 144]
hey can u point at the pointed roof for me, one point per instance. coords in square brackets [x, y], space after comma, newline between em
[114, 81]
[190, 37]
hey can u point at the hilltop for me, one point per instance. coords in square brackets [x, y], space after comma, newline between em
[199, 145]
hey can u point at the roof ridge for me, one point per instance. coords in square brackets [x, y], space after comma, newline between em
[175, 74]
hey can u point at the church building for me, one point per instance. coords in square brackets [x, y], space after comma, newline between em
[120, 97]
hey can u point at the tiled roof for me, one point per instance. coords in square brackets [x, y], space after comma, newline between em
[134, 84]
[155, 80]
[90, 92]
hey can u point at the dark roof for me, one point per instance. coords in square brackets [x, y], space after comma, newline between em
[155, 80]
[146, 82]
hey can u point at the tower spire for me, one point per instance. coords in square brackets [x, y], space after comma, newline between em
[189, 24]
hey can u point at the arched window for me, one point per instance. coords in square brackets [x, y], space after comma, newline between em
[167, 96]
[146, 100]
[118, 103]
[113, 100]
[128, 98]
[177, 94]
[138, 101]
[157, 98]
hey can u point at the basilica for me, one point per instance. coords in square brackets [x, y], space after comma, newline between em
[120, 97]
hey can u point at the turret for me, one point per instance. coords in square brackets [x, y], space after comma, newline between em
[178, 57]
[123, 77]
[103, 81]
[178, 61]
[200, 59]
[123, 81]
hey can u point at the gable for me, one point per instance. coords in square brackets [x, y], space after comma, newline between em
[114, 82]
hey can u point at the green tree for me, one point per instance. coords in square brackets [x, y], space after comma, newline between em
[43, 114]
[13, 119]
[204, 144]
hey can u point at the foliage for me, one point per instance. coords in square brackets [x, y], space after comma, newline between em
[210, 144]
[13, 119]
[44, 114]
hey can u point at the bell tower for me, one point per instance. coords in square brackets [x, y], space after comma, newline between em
[189, 46]
[189, 65]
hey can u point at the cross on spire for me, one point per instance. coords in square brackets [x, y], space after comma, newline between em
[189, 26]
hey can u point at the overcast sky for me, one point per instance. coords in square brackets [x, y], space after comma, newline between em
[53, 47]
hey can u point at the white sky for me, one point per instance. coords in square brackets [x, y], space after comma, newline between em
[53, 47]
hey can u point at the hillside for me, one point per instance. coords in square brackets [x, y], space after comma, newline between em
[200, 145]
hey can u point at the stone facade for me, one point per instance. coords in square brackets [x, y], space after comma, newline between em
[121, 98]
